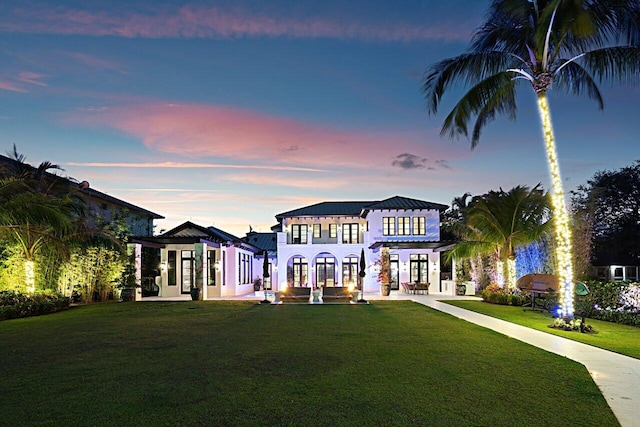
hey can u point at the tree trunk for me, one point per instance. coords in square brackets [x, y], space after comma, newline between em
[564, 269]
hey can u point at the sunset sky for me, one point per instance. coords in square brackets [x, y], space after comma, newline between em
[227, 113]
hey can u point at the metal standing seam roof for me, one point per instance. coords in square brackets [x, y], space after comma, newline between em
[211, 233]
[354, 208]
[264, 241]
[328, 209]
[399, 202]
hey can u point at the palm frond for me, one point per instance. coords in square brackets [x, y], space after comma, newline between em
[575, 80]
[616, 64]
[502, 102]
[503, 29]
[467, 69]
[489, 93]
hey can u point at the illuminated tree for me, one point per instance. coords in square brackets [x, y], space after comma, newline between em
[498, 222]
[566, 45]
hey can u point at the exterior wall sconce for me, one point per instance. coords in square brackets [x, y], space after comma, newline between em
[163, 266]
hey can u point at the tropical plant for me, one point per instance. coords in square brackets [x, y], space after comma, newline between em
[37, 211]
[43, 221]
[562, 44]
[498, 222]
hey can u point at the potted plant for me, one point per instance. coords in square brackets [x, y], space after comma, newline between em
[128, 283]
[196, 293]
[257, 284]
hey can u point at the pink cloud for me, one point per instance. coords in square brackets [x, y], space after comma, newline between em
[4, 85]
[95, 62]
[191, 21]
[31, 78]
[184, 165]
[20, 82]
[197, 130]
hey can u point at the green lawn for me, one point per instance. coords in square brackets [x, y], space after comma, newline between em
[243, 364]
[621, 339]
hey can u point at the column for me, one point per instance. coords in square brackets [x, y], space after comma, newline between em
[135, 250]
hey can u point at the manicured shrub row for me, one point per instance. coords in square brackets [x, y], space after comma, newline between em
[15, 304]
[617, 302]
[496, 295]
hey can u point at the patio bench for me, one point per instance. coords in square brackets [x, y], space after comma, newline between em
[295, 294]
[336, 294]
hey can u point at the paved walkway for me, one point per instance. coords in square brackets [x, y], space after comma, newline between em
[617, 376]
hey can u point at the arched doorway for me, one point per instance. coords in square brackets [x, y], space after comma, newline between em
[325, 268]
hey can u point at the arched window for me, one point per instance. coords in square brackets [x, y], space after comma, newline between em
[325, 271]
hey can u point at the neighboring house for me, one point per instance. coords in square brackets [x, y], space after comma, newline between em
[105, 207]
[101, 205]
[617, 273]
[321, 244]
[192, 256]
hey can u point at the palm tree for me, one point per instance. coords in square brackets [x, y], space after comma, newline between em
[38, 211]
[562, 44]
[498, 222]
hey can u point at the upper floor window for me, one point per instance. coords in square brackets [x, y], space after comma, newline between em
[419, 225]
[299, 234]
[388, 226]
[404, 224]
[316, 231]
[333, 231]
[350, 233]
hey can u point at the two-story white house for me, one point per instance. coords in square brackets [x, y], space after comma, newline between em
[313, 246]
[321, 244]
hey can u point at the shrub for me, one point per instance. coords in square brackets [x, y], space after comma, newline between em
[617, 302]
[496, 295]
[15, 304]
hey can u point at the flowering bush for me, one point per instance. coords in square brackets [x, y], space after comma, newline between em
[573, 325]
[617, 302]
[15, 304]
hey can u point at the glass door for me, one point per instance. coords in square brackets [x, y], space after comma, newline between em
[187, 275]
[394, 267]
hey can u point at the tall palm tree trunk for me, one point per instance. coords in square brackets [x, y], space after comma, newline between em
[564, 268]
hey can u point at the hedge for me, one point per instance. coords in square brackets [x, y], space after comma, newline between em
[14, 304]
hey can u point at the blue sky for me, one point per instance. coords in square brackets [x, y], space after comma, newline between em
[229, 112]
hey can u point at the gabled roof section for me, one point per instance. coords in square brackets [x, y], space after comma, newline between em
[264, 241]
[400, 203]
[189, 229]
[328, 209]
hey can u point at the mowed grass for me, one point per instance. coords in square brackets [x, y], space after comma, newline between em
[610, 336]
[244, 364]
